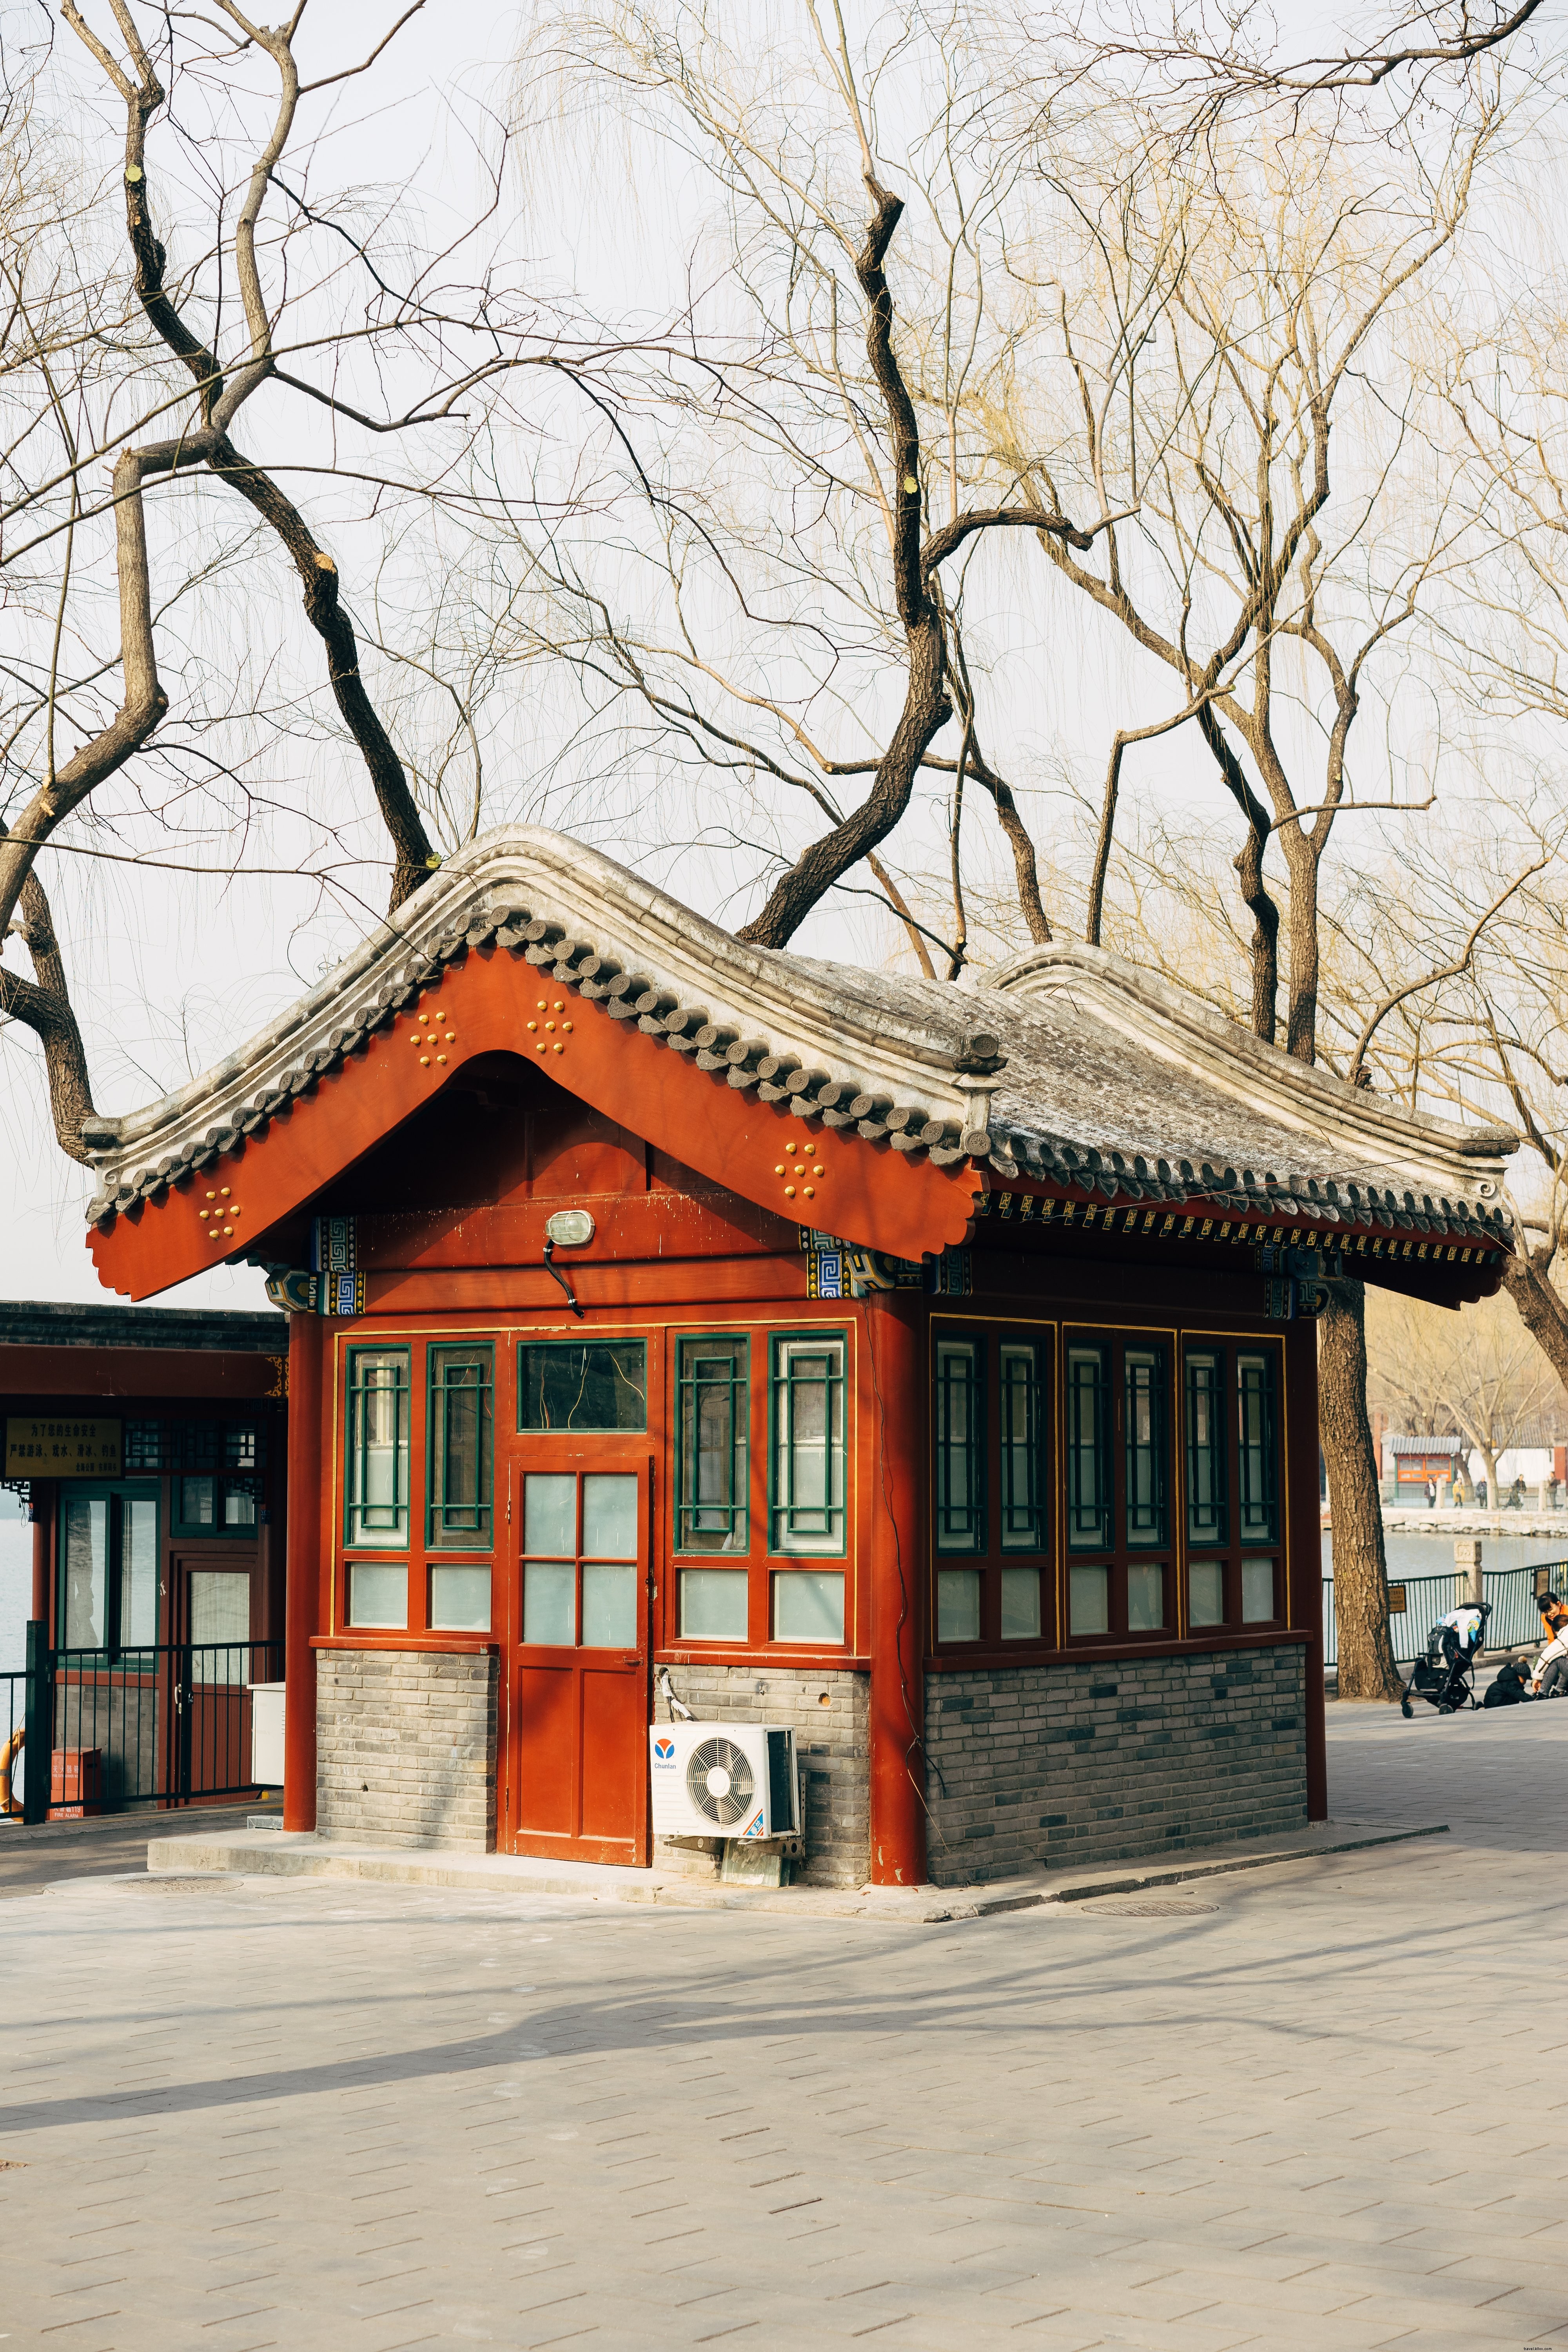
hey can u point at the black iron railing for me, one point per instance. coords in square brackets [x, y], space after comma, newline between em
[89, 1731]
[1514, 1624]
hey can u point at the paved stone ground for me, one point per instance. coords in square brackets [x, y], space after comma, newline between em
[1297, 2108]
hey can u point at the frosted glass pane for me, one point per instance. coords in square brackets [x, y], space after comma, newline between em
[808, 1606]
[1020, 1604]
[460, 1599]
[549, 1513]
[139, 1576]
[610, 1516]
[1256, 1591]
[609, 1608]
[1207, 1579]
[1145, 1599]
[378, 1594]
[714, 1604]
[87, 1545]
[220, 1624]
[548, 1598]
[1087, 1598]
[220, 1605]
[958, 1604]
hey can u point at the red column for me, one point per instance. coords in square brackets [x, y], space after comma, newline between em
[302, 1570]
[41, 1510]
[1304, 1548]
[892, 1454]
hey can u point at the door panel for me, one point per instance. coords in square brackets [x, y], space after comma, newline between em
[577, 1673]
[615, 1728]
[546, 1701]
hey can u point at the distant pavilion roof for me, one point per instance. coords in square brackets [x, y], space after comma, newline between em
[50, 1323]
[1071, 1070]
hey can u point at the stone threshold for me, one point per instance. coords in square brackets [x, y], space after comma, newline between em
[278, 1855]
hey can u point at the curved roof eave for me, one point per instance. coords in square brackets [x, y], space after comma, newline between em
[1073, 1067]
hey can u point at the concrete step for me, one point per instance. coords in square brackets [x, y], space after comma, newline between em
[283, 1855]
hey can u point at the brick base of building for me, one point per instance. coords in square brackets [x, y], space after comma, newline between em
[829, 1712]
[1086, 1764]
[405, 1747]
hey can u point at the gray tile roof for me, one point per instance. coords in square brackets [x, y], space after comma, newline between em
[49, 1323]
[1072, 1067]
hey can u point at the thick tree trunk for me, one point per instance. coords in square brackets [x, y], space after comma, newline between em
[1025, 867]
[45, 1006]
[1527, 1280]
[1489, 1465]
[1249, 864]
[1301, 1020]
[926, 705]
[1367, 1670]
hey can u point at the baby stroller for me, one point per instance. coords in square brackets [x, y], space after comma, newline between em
[1445, 1676]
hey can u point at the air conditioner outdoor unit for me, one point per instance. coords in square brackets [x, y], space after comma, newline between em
[723, 1779]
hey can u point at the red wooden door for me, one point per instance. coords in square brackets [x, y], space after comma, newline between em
[577, 1711]
[213, 1608]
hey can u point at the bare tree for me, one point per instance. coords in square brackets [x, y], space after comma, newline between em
[782, 618]
[119, 360]
[1478, 1375]
[1231, 310]
[1211, 66]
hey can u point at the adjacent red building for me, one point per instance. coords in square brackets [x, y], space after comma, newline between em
[152, 1446]
[930, 1368]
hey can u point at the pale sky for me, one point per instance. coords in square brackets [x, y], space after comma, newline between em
[170, 972]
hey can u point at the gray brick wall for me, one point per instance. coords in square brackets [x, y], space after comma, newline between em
[405, 1747]
[829, 1712]
[1098, 1763]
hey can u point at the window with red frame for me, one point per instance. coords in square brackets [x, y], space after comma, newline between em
[1119, 1505]
[1235, 1568]
[991, 1432]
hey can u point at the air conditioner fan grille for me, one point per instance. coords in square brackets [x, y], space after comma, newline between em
[719, 1782]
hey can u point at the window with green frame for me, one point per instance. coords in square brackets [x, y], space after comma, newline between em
[1148, 1469]
[580, 1384]
[1088, 1449]
[960, 1435]
[208, 1505]
[1208, 1515]
[807, 1485]
[1022, 1395]
[712, 1418]
[108, 1581]
[991, 1427]
[1258, 1458]
[459, 1492]
[376, 1496]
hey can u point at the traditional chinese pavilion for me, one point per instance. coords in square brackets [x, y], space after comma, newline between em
[930, 1369]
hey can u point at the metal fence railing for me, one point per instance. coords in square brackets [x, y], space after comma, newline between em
[14, 1690]
[88, 1731]
[1426, 1599]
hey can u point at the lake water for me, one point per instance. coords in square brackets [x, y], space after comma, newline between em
[1410, 1555]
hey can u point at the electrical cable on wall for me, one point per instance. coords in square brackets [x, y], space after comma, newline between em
[551, 1267]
